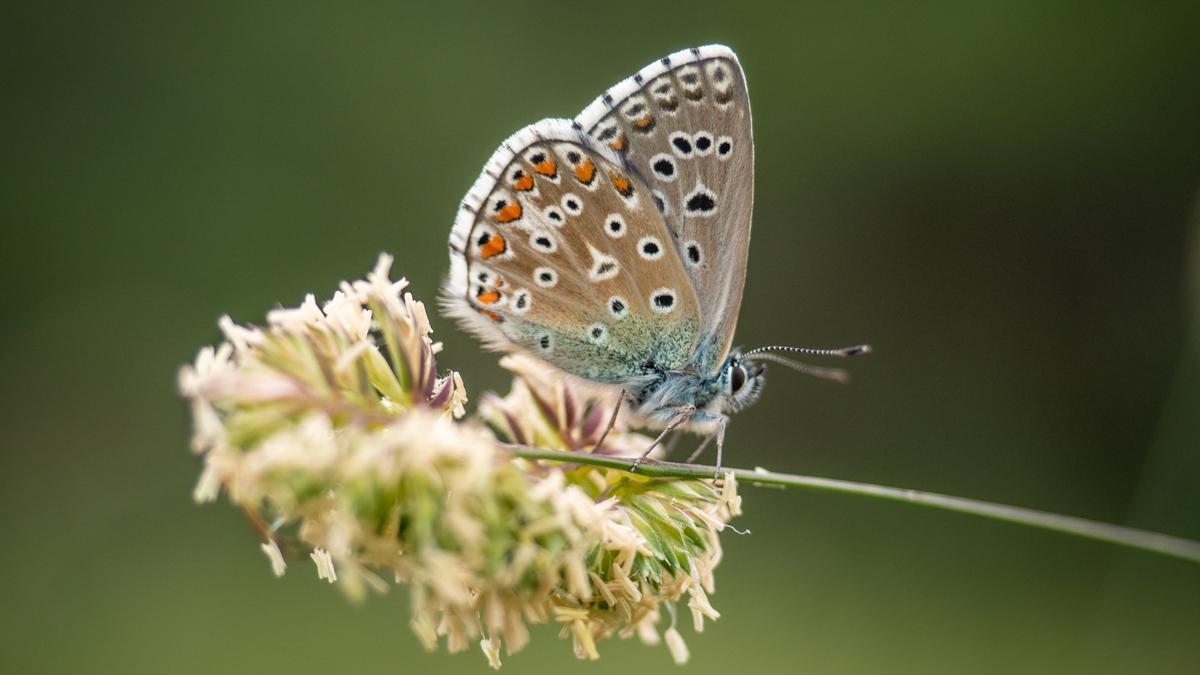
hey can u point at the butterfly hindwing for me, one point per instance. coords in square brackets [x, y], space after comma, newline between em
[559, 251]
[682, 124]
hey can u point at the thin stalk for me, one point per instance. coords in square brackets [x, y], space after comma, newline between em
[1143, 540]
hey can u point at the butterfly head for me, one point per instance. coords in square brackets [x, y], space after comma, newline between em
[742, 382]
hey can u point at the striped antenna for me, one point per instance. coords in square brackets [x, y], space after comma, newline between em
[840, 352]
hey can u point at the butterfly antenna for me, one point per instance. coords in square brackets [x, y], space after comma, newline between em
[840, 352]
[834, 374]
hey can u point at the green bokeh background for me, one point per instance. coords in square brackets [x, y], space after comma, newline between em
[997, 196]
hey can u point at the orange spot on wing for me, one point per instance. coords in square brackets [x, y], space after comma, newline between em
[546, 168]
[495, 245]
[524, 183]
[488, 297]
[622, 184]
[498, 282]
[644, 122]
[585, 171]
[509, 213]
[618, 143]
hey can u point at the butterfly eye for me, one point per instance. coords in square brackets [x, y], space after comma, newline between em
[737, 379]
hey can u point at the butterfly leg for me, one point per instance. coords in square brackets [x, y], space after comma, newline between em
[720, 444]
[682, 415]
[696, 453]
[611, 421]
[669, 448]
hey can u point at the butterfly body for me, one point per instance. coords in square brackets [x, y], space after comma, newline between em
[613, 246]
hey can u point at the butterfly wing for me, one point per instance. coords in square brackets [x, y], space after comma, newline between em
[682, 124]
[560, 252]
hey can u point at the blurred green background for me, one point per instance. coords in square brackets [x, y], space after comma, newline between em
[997, 196]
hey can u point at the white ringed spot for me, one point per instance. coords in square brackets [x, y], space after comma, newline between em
[650, 248]
[724, 148]
[597, 333]
[554, 215]
[545, 277]
[618, 307]
[681, 144]
[614, 225]
[662, 300]
[521, 301]
[700, 203]
[543, 241]
[572, 203]
[663, 166]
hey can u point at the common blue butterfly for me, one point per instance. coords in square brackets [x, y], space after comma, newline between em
[613, 246]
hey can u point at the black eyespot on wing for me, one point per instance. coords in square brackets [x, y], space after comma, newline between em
[650, 248]
[701, 202]
[664, 167]
[543, 242]
[724, 148]
[546, 277]
[544, 342]
[572, 204]
[664, 300]
[573, 157]
[682, 144]
[693, 254]
[597, 332]
[537, 158]
[605, 268]
[617, 307]
[703, 142]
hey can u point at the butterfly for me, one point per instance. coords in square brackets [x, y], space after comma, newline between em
[613, 246]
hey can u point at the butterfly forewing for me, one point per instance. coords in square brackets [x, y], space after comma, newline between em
[560, 250]
[682, 125]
